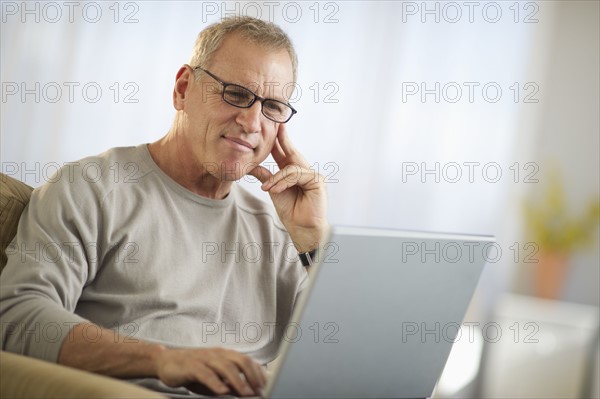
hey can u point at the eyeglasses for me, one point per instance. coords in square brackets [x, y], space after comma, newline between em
[241, 97]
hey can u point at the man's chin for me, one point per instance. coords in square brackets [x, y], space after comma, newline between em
[230, 177]
[233, 171]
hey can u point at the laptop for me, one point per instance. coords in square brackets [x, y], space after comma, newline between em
[379, 315]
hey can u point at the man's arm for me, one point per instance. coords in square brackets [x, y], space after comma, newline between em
[118, 356]
[49, 263]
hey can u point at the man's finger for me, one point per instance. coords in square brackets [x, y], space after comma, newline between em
[261, 173]
[284, 140]
[292, 175]
[277, 152]
[289, 149]
[252, 374]
[228, 371]
[208, 378]
[263, 376]
[284, 152]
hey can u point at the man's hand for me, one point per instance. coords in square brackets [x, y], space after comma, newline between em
[215, 370]
[298, 193]
[220, 370]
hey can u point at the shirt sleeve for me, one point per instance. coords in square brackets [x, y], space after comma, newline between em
[49, 262]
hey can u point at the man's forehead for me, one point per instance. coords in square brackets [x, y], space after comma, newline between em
[252, 65]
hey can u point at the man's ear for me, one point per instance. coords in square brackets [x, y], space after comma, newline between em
[182, 82]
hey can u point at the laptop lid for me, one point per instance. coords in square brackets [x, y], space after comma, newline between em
[380, 314]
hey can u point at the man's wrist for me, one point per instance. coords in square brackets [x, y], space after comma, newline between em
[156, 350]
[309, 258]
[306, 240]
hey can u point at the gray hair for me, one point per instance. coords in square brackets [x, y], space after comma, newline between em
[257, 31]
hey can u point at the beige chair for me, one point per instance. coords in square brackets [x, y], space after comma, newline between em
[26, 377]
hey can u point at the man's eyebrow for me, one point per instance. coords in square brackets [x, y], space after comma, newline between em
[267, 85]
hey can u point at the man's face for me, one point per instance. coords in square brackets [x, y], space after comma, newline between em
[225, 140]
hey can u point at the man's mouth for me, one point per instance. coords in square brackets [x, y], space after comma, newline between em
[240, 144]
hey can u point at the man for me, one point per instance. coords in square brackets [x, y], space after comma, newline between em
[146, 279]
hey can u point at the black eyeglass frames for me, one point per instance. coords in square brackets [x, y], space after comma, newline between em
[242, 97]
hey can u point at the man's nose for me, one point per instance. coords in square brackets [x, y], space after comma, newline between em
[249, 118]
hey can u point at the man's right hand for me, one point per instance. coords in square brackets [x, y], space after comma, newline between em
[219, 369]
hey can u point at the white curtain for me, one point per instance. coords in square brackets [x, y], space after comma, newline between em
[72, 89]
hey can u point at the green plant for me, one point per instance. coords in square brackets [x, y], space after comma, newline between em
[553, 229]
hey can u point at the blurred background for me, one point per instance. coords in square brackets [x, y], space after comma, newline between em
[471, 117]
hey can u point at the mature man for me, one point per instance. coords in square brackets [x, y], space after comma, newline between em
[146, 279]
